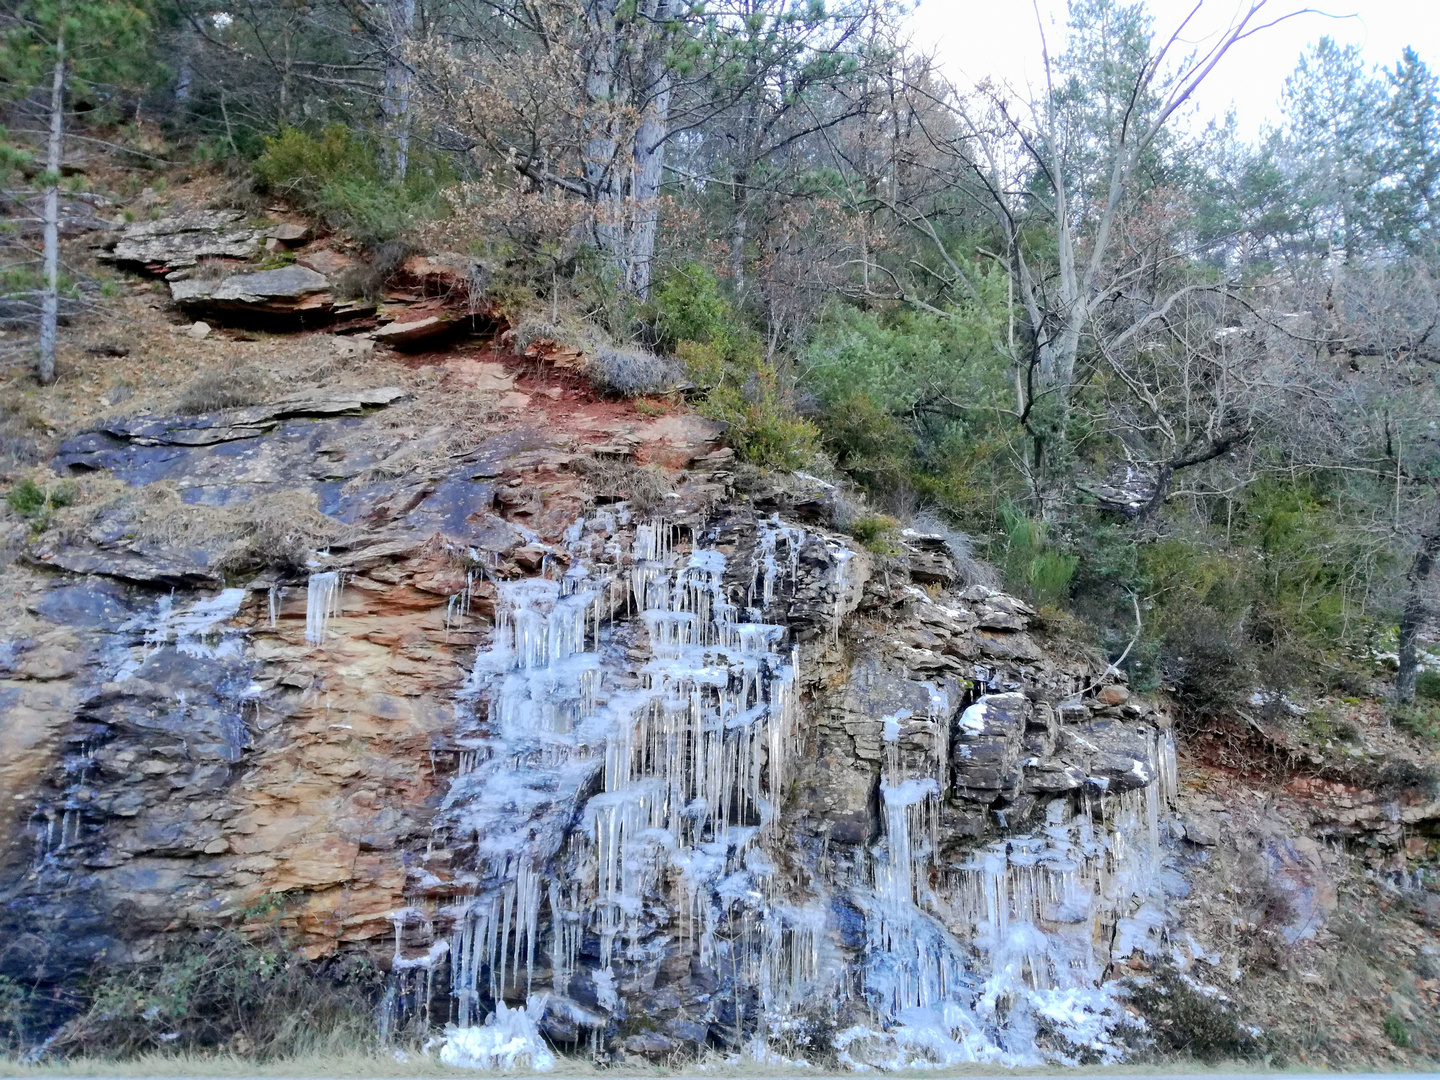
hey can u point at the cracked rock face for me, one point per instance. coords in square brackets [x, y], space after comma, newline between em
[693, 774]
[178, 243]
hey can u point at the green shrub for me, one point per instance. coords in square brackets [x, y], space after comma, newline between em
[1031, 564]
[868, 442]
[763, 428]
[879, 533]
[1427, 685]
[687, 305]
[1396, 1031]
[1419, 718]
[36, 504]
[336, 176]
[914, 402]
[27, 498]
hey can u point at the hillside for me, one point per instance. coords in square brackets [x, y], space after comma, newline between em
[570, 534]
[406, 658]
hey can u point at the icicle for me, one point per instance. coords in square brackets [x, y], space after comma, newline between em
[322, 603]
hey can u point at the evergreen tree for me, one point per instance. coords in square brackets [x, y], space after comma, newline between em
[58, 43]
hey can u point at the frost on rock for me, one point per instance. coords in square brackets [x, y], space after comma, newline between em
[628, 741]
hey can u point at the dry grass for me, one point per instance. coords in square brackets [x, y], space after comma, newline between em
[1322, 1001]
[444, 423]
[644, 487]
[277, 533]
[222, 388]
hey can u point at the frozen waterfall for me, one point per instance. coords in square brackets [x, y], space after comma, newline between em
[626, 743]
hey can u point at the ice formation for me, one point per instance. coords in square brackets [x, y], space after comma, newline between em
[509, 1039]
[322, 603]
[626, 743]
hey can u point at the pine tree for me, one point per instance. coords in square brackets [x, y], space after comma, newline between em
[57, 43]
[1411, 194]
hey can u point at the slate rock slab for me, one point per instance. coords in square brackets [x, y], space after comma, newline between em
[286, 292]
[174, 243]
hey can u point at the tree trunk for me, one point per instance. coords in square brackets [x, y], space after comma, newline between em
[50, 300]
[599, 163]
[650, 139]
[1412, 618]
[186, 43]
[395, 98]
[739, 192]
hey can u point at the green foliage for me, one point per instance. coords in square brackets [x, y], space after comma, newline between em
[1396, 1030]
[106, 41]
[1419, 718]
[1032, 564]
[336, 176]
[744, 390]
[1427, 685]
[27, 498]
[909, 401]
[36, 504]
[688, 306]
[764, 429]
[880, 533]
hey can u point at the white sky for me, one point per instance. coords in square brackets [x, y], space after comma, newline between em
[1000, 38]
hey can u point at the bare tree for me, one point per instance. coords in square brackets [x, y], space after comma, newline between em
[1065, 174]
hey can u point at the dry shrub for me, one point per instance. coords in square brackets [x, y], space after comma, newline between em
[368, 277]
[972, 569]
[631, 371]
[223, 992]
[644, 487]
[222, 388]
[563, 331]
[1205, 663]
[1183, 1019]
[278, 534]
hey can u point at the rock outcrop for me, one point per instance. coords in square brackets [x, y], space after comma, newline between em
[693, 765]
[168, 245]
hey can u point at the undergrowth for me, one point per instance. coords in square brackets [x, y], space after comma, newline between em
[222, 991]
[335, 176]
[1191, 1021]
